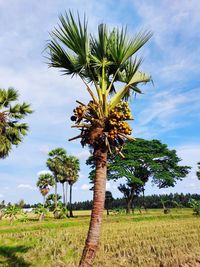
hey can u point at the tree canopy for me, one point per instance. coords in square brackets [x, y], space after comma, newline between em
[11, 113]
[144, 160]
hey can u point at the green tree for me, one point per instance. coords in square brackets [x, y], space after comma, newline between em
[102, 61]
[146, 159]
[55, 164]
[50, 201]
[11, 113]
[11, 212]
[73, 169]
[198, 172]
[45, 181]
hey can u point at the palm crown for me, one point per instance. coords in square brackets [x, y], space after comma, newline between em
[11, 131]
[103, 60]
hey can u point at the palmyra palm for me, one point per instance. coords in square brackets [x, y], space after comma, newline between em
[11, 130]
[45, 181]
[100, 61]
[73, 169]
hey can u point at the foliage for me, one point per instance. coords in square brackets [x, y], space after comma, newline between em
[41, 211]
[50, 201]
[152, 202]
[45, 181]
[11, 113]
[195, 205]
[11, 212]
[61, 211]
[103, 60]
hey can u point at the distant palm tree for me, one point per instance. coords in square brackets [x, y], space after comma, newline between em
[198, 172]
[55, 164]
[100, 61]
[11, 131]
[45, 181]
[73, 169]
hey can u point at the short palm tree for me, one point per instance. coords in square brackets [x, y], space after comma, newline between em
[101, 62]
[11, 130]
[198, 172]
[45, 181]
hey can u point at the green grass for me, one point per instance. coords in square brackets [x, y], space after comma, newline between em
[150, 239]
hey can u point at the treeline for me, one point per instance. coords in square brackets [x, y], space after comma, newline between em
[149, 202]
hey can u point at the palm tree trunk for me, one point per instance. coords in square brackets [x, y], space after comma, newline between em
[63, 188]
[92, 241]
[55, 200]
[43, 201]
[70, 200]
[66, 194]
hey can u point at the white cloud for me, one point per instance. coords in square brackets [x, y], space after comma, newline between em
[1, 195]
[83, 155]
[165, 112]
[194, 186]
[86, 187]
[26, 186]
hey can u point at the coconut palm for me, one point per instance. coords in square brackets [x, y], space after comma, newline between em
[11, 130]
[100, 62]
[45, 181]
[198, 172]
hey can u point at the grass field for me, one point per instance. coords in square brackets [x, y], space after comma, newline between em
[150, 239]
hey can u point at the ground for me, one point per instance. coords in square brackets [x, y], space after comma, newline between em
[151, 239]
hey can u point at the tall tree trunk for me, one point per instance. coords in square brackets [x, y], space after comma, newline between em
[66, 188]
[107, 211]
[92, 241]
[129, 206]
[44, 198]
[63, 188]
[55, 200]
[130, 202]
[70, 200]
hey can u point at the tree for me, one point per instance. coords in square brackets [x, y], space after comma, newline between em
[12, 211]
[55, 164]
[50, 201]
[146, 159]
[73, 169]
[198, 172]
[100, 62]
[108, 201]
[45, 181]
[11, 130]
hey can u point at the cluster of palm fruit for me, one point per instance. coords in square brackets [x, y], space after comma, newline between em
[115, 128]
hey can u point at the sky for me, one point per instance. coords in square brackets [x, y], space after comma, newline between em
[169, 110]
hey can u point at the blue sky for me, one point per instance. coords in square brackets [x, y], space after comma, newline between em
[168, 111]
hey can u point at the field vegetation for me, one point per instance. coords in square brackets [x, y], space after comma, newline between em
[141, 239]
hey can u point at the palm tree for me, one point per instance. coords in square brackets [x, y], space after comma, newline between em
[198, 172]
[11, 130]
[45, 181]
[100, 62]
[73, 170]
[55, 165]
